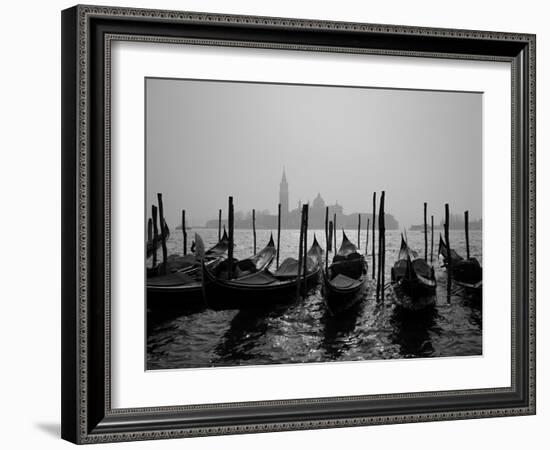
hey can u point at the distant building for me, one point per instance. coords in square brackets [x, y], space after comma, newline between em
[318, 202]
[290, 219]
[456, 222]
[283, 194]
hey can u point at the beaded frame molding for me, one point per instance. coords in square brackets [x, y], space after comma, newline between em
[87, 35]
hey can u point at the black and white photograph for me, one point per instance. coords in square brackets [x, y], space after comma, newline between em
[294, 223]
[281, 219]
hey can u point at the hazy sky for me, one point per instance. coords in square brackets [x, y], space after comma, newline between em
[207, 140]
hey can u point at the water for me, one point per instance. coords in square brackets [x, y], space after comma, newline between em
[306, 332]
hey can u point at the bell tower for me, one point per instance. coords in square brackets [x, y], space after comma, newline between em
[283, 194]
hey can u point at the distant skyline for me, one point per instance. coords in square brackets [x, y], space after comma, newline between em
[291, 217]
[206, 140]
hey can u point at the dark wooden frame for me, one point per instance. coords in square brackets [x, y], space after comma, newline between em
[87, 415]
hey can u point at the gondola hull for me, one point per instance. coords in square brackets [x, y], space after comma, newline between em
[342, 293]
[341, 300]
[473, 290]
[178, 291]
[181, 290]
[261, 289]
[344, 282]
[466, 273]
[413, 281]
[224, 295]
[414, 295]
[186, 297]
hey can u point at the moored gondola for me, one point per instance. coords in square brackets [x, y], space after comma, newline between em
[345, 280]
[260, 289]
[182, 288]
[244, 267]
[413, 280]
[188, 263]
[466, 273]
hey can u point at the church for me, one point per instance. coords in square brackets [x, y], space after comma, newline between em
[316, 220]
[290, 218]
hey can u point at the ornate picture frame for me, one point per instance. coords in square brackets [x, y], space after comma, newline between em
[87, 35]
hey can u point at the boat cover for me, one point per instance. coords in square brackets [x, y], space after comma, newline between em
[467, 271]
[352, 268]
[257, 279]
[289, 268]
[176, 262]
[342, 281]
[422, 268]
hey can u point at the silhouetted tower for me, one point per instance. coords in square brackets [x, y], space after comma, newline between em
[283, 194]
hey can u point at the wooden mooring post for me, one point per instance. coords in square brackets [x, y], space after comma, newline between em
[300, 256]
[425, 232]
[383, 284]
[335, 233]
[254, 229]
[449, 263]
[230, 225]
[373, 235]
[358, 231]
[184, 230]
[219, 225]
[155, 234]
[383, 245]
[163, 234]
[278, 233]
[381, 251]
[326, 239]
[432, 244]
[367, 240]
[149, 230]
[467, 232]
[304, 258]
[330, 231]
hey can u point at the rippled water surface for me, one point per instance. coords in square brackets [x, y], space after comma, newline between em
[306, 332]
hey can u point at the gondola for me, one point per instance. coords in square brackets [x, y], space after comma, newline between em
[466, 273]
[188, 263]
[413, 280]
[182, 288]
[345, 280]
[263, 288]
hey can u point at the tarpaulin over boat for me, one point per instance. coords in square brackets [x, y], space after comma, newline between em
[177, 262]
[342, 281]
[289, 268]
[257, 279]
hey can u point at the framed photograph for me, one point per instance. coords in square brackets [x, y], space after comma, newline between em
[279, 224]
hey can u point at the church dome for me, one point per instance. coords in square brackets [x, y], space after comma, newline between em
[318, 202]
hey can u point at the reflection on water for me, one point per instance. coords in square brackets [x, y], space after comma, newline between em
[304, 331]
[338, 332]
[412, 331]
[238, 342]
